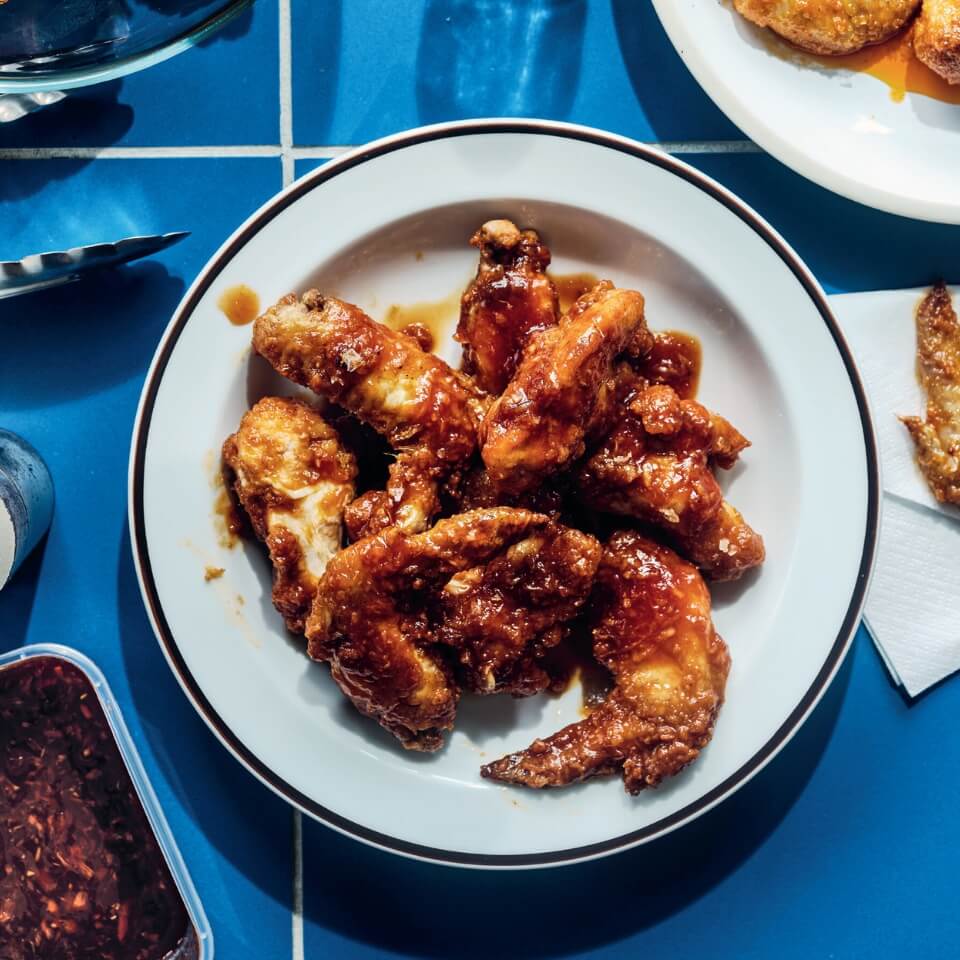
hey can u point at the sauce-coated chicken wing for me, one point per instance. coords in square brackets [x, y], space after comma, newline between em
[563, 390]
[428, 412]
[652, 629]
[510, 298]
[385, 613]
[294, 479]
[936, 38]
[830, 26]
[503, 615]
[657, 465]
[937, 438]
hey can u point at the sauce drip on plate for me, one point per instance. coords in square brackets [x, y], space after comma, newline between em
[428, 321]
[239, 304]
[571, 286]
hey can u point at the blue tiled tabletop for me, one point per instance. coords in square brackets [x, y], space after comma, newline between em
[844, 847]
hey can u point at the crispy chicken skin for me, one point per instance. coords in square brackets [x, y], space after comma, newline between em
[724, 548]
[374, 617]
[936, 37]
[830, 26]
[937, 438]
[563, 390]
[502, 616]
[510, 298]
[428, 412]
[656, 465]
[652, 629]
[294, 479]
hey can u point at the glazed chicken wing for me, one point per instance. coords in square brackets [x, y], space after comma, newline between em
[563, 390]
[503, 615]
[937, 438]
[652, 629]
[830, 26]
[510, 298]
[656, 465]
[375, 615]
[936, 37]
[293, 479]
[427, 411]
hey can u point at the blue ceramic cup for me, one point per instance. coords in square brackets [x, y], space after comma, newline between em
[26, 501]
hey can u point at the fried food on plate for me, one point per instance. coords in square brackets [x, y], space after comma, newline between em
[830, 26]
[936, 38]
[657, 465]
[510, 298]
[563, 390]
[652, 629]
[294, 479]
[503, 615]
[375, 613]
[428, 412]
[937, 438]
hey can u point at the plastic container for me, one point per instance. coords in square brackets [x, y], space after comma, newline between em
[197, 940]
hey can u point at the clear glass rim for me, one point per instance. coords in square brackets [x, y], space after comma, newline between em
[90, 74]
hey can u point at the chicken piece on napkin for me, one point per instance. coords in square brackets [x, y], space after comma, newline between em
[937, 438]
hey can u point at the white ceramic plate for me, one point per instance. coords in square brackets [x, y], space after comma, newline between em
[389, 224]
[838, 128]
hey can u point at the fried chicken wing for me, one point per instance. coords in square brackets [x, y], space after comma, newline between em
[656, 465]
[563, 390]
[502, 616]
[510, 298]
[830, 26]
[652, 629]
[937, 438]
[374, 617]
[936, 38]
[293, 478]
[428, 412]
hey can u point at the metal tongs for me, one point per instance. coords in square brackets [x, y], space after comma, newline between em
[40, 271]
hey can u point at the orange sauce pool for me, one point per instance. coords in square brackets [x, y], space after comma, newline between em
[427, 322]
[571, 286]
[239, 304]
[896, 65]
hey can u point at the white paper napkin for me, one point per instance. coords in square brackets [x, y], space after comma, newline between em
[913, 609]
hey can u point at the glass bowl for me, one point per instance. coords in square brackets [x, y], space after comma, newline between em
[60, 44]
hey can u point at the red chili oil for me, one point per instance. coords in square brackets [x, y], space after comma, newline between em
[82, 873]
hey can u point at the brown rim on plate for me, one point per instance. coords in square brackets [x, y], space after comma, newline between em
[142, 557]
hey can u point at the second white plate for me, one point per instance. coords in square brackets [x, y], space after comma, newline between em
[838, 128]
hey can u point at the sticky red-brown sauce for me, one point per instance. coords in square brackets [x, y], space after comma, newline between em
[429, 321]
[572, 286]
[239, 304]
[228, 518]
[82, 872]
[675, 360]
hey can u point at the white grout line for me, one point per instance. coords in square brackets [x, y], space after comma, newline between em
[139, 153]
[286, 94]
[297, 912]
[288, 153]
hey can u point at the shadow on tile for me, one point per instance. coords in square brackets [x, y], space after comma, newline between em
[69, 122]
[83, 337]
[229, 807]
[553, 913]
[661, 82]
[494, 59]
